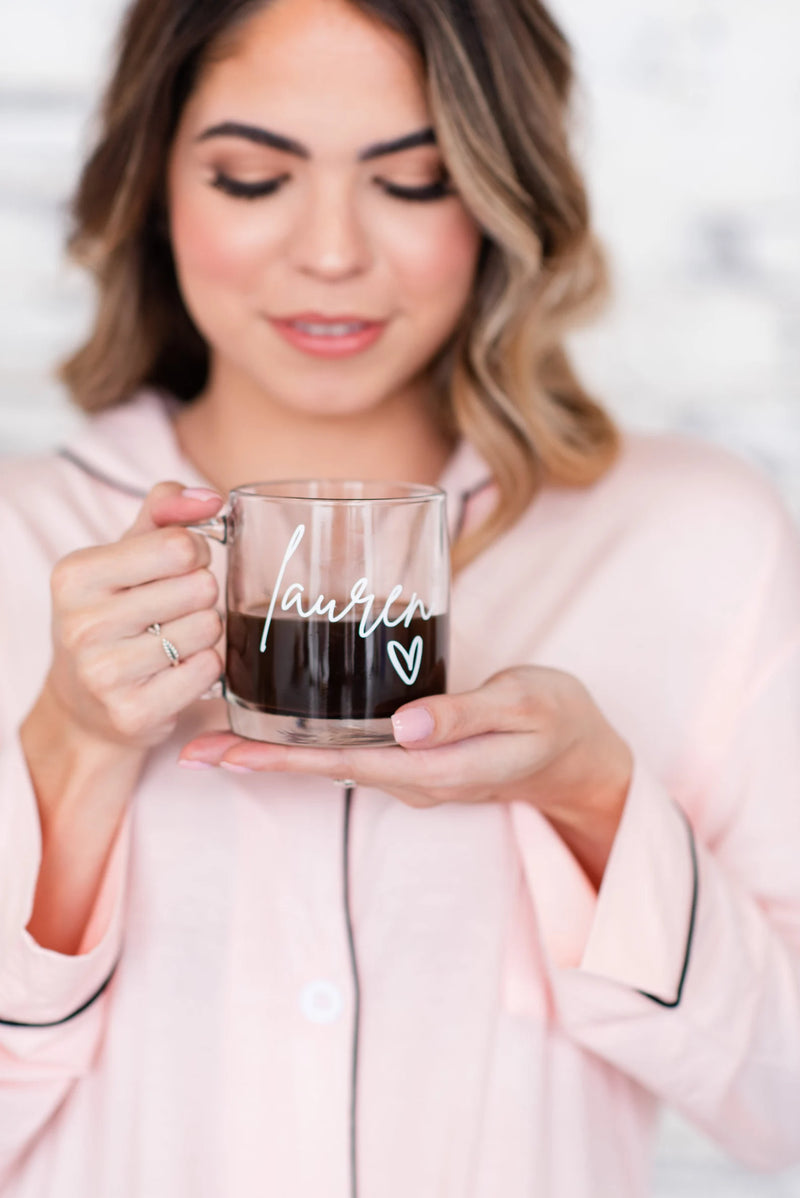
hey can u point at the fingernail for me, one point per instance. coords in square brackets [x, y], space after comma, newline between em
[236, 769]
[201, 493]
[414, 724]
[186, 764]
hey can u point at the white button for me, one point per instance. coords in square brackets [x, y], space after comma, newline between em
[321, 1002]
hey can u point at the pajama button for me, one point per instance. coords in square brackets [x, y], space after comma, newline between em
[321, 1002]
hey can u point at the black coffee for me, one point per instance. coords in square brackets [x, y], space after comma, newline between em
[314, 669]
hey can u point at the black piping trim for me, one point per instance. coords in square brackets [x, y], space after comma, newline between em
[692, 920]
[140, 493]
[348, 803]
[66, 1019]
[466, 496]
[348, 919]
[100, 477]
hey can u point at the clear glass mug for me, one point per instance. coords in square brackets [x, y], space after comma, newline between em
[337, 607]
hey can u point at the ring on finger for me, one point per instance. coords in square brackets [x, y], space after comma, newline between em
[169, 648]
[171, 652]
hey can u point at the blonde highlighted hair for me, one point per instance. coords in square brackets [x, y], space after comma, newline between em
[500, 78]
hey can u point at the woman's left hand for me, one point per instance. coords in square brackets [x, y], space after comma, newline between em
[528, 734]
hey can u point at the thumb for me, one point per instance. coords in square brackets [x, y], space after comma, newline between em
[509, 701]
[172, 503]
[442, 719]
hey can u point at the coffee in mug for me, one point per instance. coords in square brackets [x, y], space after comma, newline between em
[337, 607]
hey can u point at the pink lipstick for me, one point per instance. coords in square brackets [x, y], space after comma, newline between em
[328, 336]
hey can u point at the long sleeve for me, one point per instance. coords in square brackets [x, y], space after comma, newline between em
[39, 1064]
[52, 1006]
[684, 970]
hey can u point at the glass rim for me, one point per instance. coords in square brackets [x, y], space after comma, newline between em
[414, 492]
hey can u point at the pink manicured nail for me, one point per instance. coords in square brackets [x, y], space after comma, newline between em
[187, 764]
[236, 769]
[412, 725]
[201, 493]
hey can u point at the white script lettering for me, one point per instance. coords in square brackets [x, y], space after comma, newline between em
[360, 596]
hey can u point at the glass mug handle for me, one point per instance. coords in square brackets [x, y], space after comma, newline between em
[216, 529]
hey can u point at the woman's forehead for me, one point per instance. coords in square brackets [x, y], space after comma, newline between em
[316, 43]
[317, 71]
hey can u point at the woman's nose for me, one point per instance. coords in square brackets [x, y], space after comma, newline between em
[329, 241]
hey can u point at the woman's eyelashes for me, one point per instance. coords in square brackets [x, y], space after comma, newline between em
[256, 190]
[247, 191]
[431, 191]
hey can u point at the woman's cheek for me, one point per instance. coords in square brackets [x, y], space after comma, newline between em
[439, 256]
[218, 244]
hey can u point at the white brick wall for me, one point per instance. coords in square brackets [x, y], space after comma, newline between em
[690, 135]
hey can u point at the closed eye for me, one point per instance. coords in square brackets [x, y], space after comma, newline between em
[247, 191]
[431, 191]
[239, 189]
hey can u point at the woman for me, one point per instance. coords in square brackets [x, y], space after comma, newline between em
[346, 239]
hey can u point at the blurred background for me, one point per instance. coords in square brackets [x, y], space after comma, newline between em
[688, 125]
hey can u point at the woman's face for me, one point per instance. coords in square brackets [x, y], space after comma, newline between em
[317, 249]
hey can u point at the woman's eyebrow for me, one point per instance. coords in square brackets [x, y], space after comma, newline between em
[265, 137]
[422, 137]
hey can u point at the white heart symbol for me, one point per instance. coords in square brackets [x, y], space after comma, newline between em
[412, 658]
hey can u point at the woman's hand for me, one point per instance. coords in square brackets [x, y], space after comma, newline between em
[110, 678]
[111, 693]
[529, 734]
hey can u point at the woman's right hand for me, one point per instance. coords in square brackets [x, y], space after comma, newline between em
[111, 693]
[109, 675]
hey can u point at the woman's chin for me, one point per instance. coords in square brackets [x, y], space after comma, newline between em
[323, 402]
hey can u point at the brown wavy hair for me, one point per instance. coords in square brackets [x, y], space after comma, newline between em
[500, 77]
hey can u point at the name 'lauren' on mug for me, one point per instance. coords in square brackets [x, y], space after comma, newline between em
[359, 595]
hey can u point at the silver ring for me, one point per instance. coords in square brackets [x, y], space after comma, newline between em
[348, 782]
[171, 652]
[167, 645]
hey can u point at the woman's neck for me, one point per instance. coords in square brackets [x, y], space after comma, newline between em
[234, 435]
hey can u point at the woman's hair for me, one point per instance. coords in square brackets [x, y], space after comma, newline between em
[499, 75]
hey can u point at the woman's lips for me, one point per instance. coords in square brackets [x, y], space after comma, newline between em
[329, 337]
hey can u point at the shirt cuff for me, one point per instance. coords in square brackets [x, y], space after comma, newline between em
[38, 985]
[637, 929]
[643, 921]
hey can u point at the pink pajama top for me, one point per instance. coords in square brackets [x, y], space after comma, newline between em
[462, 1016]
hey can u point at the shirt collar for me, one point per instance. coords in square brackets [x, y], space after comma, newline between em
[132, 446]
